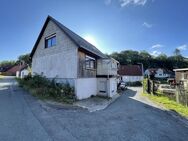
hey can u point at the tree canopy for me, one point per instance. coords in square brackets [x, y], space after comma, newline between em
[24, 59]
[149, 61]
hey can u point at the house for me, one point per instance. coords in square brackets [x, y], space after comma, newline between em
[14, 70]
[131, 73]
[4, 69]
[181, 75]
[62, 54]
[159, 73]
[23, 72]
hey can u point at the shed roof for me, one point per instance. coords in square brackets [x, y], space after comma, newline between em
[79, 41]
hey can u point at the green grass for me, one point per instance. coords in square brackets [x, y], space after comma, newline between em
[169, 104]
[1, 76]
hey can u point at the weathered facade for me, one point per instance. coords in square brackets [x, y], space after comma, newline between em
[59, 53]
[181, 75]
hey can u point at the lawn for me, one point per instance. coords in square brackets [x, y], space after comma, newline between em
[169, 104]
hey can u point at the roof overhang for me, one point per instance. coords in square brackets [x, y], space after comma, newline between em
[183, 69]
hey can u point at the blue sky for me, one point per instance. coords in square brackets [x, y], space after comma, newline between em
[157, 26]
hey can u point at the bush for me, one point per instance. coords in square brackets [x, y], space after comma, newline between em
[42, 87]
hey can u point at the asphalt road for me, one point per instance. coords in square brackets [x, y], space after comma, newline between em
[129, 118]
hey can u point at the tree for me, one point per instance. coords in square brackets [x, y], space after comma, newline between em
[162, 57]
[24, 59]
[7, 63]
[177, 52]
[134, 57]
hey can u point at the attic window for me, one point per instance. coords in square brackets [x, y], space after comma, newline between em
[50, 41]
[90, 62]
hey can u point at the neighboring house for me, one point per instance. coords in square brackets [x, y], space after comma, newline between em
[13, 70]
[4, 69]
[60, 53]
[181, 75]
[23, 72]
[159, 73]
[130, 73]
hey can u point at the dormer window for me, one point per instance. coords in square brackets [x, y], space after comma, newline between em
[50, 41]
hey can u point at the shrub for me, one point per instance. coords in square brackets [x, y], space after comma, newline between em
[42, 87]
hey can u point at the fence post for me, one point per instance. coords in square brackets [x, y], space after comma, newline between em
[177, 94]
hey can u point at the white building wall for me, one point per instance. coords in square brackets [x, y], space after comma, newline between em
[112, 90]
[107, 86]
[85, 87]
[58, 61]
[132, 78]
[24, 73]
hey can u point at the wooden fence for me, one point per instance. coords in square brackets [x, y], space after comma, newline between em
[180, 95]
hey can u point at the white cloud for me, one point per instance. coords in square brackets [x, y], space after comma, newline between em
[155, 53]
[182, 47]
[134, 2]
[145, 24]
[157, 46]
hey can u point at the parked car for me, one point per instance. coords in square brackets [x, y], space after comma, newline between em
[122, 85]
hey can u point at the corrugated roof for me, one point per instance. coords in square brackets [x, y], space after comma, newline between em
[130, 70]
[79, 41]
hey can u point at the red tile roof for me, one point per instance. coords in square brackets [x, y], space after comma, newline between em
[14, 69]
[130, 70]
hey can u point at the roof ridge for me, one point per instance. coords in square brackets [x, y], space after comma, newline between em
[67, 30]
[78, 40]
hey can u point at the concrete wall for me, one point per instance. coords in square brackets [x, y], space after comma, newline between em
[85, 87]
[112, 84]
[102, 89]
[58, 61]
[107, 87]
[132, 78]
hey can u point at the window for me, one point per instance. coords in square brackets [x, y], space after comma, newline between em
[185, 76]
[50, 41]
[90, 62]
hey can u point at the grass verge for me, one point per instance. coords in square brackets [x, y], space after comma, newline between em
[168, 104]
[1, 76]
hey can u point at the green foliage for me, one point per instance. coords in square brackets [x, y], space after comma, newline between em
[42, 87]
[162, 61]
[168, 103]
[24, 59]
[7, 63]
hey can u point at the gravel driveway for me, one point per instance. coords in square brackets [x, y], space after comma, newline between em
[129, 118]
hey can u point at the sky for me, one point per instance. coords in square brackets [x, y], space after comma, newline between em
[157, 26]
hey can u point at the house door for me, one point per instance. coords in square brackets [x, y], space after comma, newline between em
[102, 87]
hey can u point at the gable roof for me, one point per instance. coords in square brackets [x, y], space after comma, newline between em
[16, 68]
[79, 41]
[130, 70]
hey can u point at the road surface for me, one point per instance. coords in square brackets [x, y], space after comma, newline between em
[129, 118]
